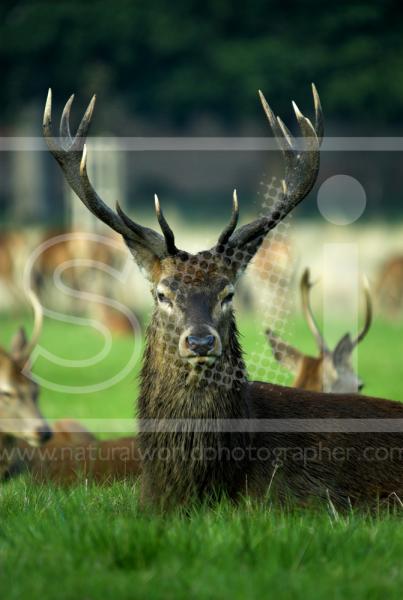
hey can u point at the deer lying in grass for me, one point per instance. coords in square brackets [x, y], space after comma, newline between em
[65, 453]
[20, 418]
[205, 430]
[332, 370]
[67, 460]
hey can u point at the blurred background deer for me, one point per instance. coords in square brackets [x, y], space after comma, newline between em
[389, 289]
[64, 452]
[20, 417]
[332, 370]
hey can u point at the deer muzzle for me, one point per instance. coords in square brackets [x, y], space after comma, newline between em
[34, 431]
[200, 345]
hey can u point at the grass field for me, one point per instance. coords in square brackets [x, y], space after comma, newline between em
[90, 543]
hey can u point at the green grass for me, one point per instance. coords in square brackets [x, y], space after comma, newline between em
[90, 543]
[94, 543]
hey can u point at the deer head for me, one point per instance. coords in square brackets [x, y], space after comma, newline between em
[332, 370]
[19, 413]
[193, 293]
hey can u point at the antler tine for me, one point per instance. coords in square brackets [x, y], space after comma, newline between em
[65, 134]
[368, 313]
[165, 228]
[71, 154]
[230, 228]
[305, 287]
[301, 170]
[38, 324]
[77, 177]
[278, 128]
[83, 128]
[319, 125]
[286, 134]
[301, 167]
[138, 232]
[47, 127]
[72, 159]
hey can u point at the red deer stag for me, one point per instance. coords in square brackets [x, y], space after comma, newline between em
[332, 370]
[65, 453]
[205, 430]
[20, 417]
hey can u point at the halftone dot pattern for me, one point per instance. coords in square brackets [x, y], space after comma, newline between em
[272, 270]
[193, 270]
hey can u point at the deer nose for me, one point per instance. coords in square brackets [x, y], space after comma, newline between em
[200, 345]
[44, 433]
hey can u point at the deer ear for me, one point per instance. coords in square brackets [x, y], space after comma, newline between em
[146, 245]
[148, 261]
[288, 356]
[19, 343]
[343, 349]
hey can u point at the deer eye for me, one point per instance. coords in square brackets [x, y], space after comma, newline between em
[163, 299]
[228, 298]
[5, 394]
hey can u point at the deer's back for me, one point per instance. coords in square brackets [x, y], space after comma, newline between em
[274, 401]
[346, 461]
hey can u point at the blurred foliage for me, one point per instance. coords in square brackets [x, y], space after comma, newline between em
[179, 60]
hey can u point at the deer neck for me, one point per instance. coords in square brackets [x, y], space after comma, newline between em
[189, 463]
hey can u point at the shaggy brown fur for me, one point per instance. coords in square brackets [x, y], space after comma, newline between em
[173, 468]
[186, 464]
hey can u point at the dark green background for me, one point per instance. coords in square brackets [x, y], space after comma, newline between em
[192, 67]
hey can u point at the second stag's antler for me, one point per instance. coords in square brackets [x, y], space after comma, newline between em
[23, 347]
[368, 314]
[305, 287]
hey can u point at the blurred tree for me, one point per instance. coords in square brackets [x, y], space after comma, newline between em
[178, 60]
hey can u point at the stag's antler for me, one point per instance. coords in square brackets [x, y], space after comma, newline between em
[305, 287]
[368, 314]
[71, 154]
[230, 228]
[25, 350]
[301, 170]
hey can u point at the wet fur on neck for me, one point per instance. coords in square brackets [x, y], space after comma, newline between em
[184, 464]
